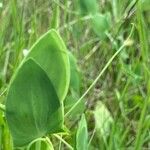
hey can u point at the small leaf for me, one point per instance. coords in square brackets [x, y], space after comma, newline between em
[82, 135]
[74, 88]
[88, 6]
[32, 106]
[100, 24]
[51, 54]
[103, 120]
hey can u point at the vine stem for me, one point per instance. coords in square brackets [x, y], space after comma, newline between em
[34, 141]
[126, 43]
[49, 143]
[61, 139]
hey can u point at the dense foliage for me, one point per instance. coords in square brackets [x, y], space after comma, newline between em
[74, 74]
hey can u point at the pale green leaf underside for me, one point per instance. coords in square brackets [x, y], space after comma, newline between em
[32, 107]
[103, 120]
[51, 54]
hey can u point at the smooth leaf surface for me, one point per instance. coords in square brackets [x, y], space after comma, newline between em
[82, 135]
[32, 107]
[51, 54]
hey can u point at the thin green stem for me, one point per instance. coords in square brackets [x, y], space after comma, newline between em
[3, 92]
[49, 144]
[61, 139]
[126, 42]
[34, 141]
[85, 18]
[56, 15]
[92, 136]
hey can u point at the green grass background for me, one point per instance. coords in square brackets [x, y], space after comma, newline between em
[124, 87]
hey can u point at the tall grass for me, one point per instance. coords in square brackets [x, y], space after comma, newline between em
[123, 85]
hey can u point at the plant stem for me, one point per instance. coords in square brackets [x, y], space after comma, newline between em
[49, 144]
[61, 139]
[101, 73]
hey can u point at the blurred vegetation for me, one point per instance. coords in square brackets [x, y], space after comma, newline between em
[117, 109]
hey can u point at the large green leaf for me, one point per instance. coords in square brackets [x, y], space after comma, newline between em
[51, 54]
[32, 107]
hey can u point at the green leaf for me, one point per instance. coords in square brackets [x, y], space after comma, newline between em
[103, 120]
[100, 24]
[32, 106]
[51, 54]
[82, 135]
[88, 6]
